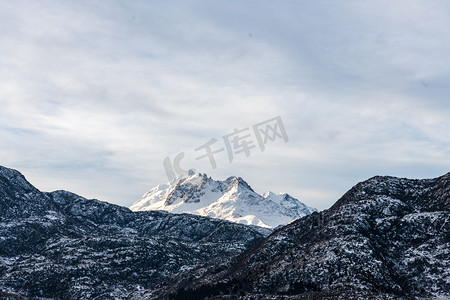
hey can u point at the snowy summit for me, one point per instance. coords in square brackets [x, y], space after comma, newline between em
[232, 199]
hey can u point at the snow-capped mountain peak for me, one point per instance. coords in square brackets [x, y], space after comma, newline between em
[289, 202]
[232, 199]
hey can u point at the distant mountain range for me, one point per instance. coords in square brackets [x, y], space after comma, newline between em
[232, 199]
[386, 238]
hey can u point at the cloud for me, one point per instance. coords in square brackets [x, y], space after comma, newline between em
[95, 95]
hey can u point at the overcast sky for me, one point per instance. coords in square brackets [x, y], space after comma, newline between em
[94, 95]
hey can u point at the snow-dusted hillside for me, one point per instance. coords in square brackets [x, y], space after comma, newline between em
[60, 245]
[232, 199]
[386, 238]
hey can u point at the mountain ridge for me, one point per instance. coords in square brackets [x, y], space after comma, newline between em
[59, 245]
[386, 238]
[232, 199]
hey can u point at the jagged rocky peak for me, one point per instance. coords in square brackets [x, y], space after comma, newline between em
[234, 180]
[289, 202]
[277, 197]
[232, 199]
[189, 174]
